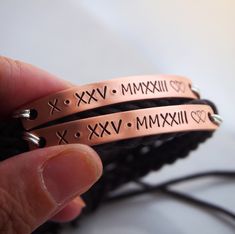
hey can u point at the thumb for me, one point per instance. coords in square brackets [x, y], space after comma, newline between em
[35, 185]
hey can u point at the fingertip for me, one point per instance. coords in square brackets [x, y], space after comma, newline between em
[91, 153]
[48, 179]
[71, 172]
[69, 212]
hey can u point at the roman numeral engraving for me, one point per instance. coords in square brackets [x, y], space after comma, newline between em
[93, 130]
[102, 129]
[87, 97]
[173, 120]
[144, 87]
[153, 121]
[185, 115]
[54, 107]
[80, 98]
[61, 136]
[162, 120]
[116, 128]
[91, 96]
[110, 128]
[103, 95]
[164, 117]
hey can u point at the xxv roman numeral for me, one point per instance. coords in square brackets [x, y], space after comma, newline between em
[99, 129]
[88, 97]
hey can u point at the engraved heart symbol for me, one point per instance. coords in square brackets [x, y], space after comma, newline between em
[177, 85]
[199, 116]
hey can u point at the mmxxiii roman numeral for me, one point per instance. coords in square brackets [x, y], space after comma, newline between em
[162, 120]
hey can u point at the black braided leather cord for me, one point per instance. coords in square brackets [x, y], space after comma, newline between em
[124, 161]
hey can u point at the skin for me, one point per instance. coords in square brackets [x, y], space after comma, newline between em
[28, 198]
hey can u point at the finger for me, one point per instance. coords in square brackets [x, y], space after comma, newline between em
[70, 211]
[35, 185]
[21, 83]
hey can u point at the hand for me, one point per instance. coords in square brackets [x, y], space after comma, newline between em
[44, 183]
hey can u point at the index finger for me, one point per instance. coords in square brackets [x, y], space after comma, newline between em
[21, 83]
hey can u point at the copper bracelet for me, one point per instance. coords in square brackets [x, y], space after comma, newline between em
[86, 97]
[128, 124]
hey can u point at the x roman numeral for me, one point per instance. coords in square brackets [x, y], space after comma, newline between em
[173, 118]
[147, 87]
[93, 130]
[54, 106]
[80, 98]
[154, 86]
[104, 129]
[61, 137]
[165, 119]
